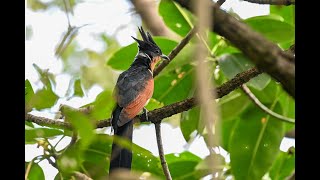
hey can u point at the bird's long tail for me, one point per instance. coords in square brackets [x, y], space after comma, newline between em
[120, 157]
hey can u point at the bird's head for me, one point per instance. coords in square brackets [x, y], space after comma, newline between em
[149, 49]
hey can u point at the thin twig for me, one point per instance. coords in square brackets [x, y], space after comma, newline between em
[51, 162]
[266, 55]
[67, 13]
[273, 2]
[158, 114]
[256, 101]
[59, 141]
[28, 169]
[66, 40]
[175, 51]
[161, 153]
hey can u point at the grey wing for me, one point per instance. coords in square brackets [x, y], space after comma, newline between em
[129, 85]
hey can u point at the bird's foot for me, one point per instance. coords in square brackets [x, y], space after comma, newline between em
[145, 114]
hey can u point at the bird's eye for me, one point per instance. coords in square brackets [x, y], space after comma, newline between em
[157, 51]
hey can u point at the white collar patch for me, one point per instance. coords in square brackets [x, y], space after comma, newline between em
[144, 55]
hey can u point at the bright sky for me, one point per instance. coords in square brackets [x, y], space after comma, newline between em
[104, 16]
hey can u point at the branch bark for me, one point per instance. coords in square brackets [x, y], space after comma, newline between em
[47, 121]
[273, 2]
[164, 164]
[267, 56]
[256, 101]
[148, 11]
[158, 114]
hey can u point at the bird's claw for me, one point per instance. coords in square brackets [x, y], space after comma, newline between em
[145, 114]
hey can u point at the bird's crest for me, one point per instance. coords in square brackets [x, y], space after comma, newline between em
[146, 38]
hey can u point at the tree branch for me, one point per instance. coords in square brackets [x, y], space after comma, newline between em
[158, 114]
[267, 56]
[175, 51]
[256, 101]
[161, 153]
[47, 122]
[148, 12]
[273, 2]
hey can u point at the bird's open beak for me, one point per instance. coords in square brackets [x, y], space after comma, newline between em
[164, 57]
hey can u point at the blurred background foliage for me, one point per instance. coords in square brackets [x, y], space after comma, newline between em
[251, 137]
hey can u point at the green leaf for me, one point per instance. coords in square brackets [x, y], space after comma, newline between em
[59, 176]
[181, 164]
[28, 91]
[189, 122]
[32, 134]
[205, 164]
[286, 12]
[269, 94]
[47, 78]
[174, 86]
[274, 30]
[288, 105]
[70, 160]
[284, 166]
[183, 156]
[82, 124]
[142, 159]
[223, 46]
[103, 105]
[35, 172]
[153, 104]
[75, 88]
[255, 143]
[96, 157]
[122, 59]
[213, 39]
[78, 91]
[180, 169]
[173, 17]
[28, 124]
[36, 5]
[232, 64]
[233, 104]
[227, 129]
[43, 98]
[184, 57]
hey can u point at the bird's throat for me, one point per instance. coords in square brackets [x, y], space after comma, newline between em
[154, 61]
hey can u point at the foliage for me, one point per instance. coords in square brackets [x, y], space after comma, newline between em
[251, 137]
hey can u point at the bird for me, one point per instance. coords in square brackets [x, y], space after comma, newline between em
[132, 92]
